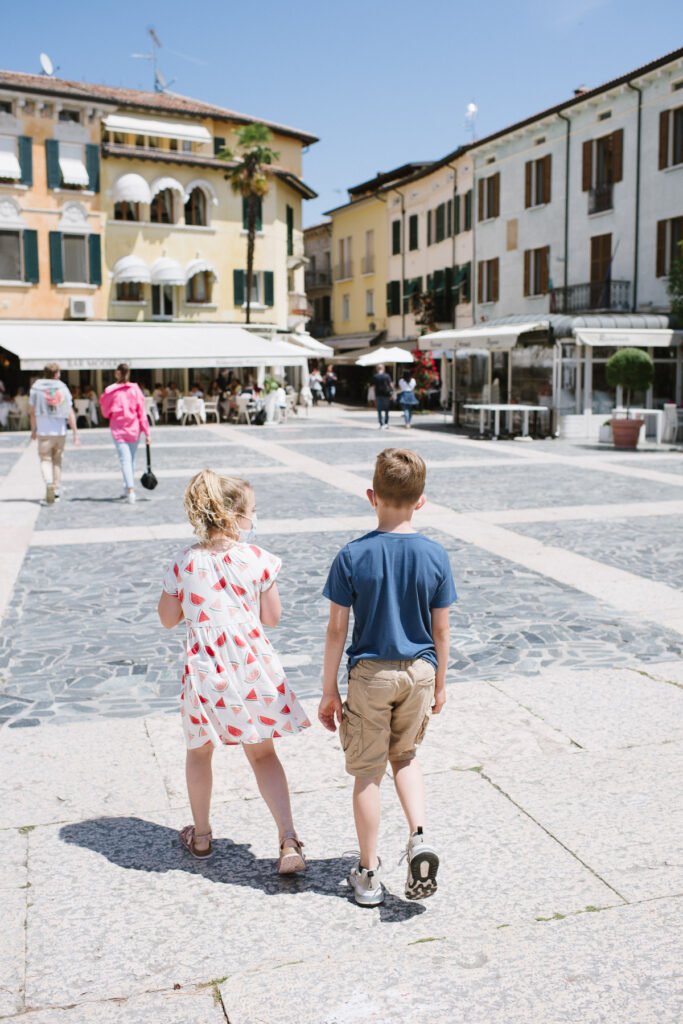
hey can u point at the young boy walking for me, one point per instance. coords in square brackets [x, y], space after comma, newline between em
[400, 586]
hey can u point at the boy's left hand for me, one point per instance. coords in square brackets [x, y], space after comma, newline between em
[329, 709]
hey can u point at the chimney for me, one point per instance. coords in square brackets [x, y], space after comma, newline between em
[580, 90]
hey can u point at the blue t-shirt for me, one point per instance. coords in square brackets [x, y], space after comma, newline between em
[392, 580]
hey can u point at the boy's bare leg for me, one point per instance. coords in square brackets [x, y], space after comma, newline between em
[272, 782]
[199, 779]
[409, 784]
[366, 811]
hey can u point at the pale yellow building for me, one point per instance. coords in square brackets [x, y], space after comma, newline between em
[114, 205]
[360, 261]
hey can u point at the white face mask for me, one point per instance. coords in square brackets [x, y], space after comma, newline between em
[249, 536]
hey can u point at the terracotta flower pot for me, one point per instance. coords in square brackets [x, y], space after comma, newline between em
[626, 432]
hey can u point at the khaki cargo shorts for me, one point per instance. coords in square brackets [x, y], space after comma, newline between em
[386, 713]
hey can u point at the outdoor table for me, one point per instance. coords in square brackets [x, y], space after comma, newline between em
[88, 408]
[658, 414]
[485, 408]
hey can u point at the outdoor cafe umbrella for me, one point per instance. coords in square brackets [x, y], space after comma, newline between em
[391, 355]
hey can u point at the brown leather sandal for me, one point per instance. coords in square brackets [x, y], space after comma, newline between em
[187, 838]
[291, 857]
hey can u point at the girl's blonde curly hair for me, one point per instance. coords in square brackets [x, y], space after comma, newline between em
[214, 503]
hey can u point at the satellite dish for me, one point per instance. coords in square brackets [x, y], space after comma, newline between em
[46, 64]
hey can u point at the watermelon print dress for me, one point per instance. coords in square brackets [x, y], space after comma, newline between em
[234, 688]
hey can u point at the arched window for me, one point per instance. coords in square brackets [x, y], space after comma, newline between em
[195, 208]
[161, 207]
[126, 211]
[198, 288]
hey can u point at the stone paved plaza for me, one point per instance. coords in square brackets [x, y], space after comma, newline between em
[553, 774]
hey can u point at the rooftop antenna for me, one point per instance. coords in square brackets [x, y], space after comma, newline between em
[47, 65]
[160, 83]
[471, 120]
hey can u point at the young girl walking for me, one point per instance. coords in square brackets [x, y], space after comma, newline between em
[234, 689]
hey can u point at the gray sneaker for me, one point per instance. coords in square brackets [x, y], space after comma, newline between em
[423, 864]
[367, 885]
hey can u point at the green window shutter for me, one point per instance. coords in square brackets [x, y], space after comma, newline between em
[26, 159]
[56, 265]
[290, 231]
[268, 289]
[394, 298]
[466, 290]
[238, 286]
[413, 242]
[54, 174]
[407, 292]
[449, 218]
[92, 163]
[429, 227]
[438, 281]
[429, 282]
[259, 215]
[468, 210]
[95, 258]
[218, 145]
[440, 222]
[31, 256]
[395, 237]
[456, 225]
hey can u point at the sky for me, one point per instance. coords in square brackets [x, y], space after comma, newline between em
[380, 82]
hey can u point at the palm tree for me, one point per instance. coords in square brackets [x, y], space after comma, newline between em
[249, 177]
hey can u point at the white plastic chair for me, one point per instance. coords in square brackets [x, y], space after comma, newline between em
[211, 409]
[670, 425]
[169, 407]
[191, 410]
[151, 410]
[244, 408]
[83, 409]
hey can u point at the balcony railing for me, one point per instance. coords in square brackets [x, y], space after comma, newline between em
[298, 304]
[343, 271]
[318, 278]
[367, 265]
[600, 295]
[600, 199]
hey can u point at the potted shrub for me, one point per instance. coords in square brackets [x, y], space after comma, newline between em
[631, 369]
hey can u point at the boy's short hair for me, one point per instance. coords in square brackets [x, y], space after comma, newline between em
[51, 371]
[399, 477]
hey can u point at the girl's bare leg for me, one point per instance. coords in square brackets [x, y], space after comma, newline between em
[199, 782]
[272, 782]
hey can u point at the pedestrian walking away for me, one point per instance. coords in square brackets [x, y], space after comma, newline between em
[315, 383]
[406, 397]
[50, 411]
[123, 403]
[400, 586]
[384, 388]
[330, 384]
[234, 688]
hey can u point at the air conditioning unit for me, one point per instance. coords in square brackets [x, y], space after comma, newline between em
[80, 309]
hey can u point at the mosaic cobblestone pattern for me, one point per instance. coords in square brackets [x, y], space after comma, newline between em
[119, 662]
[364, 452]
[7, 461]
[648, 546]
[224, 456]
[528, 486]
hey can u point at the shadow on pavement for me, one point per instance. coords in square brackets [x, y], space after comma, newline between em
[139, 845]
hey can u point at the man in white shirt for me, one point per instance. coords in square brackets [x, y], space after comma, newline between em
[51, 409]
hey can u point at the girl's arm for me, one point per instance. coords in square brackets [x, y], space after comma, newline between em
[271, 607]
[170, 610]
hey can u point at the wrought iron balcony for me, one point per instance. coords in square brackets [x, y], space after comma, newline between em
[600, 198]
[594, 296]
[343, 271]
[318, 278]
[367, 265]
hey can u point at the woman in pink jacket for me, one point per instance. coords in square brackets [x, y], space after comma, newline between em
[123, 403]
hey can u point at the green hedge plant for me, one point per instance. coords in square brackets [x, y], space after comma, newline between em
[631, 369]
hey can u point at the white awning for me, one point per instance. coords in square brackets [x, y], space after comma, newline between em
[627, 338]
[160, 184]
[206, 187]
[71, 157]
[184, 130]
[103, 344]
[166, 271]
[498, 338]
[131, 188]
[199, 267]
[312, 345]
[9, 165]
[385, 355]
[131, 268]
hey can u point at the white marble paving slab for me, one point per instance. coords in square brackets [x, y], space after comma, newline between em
[602, 709]
[620, 811]
[621, 966]
[72, 771]
[153, 917]
[12, 944]
[13, 856]
[195, 1006]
